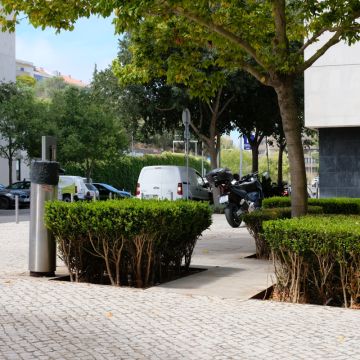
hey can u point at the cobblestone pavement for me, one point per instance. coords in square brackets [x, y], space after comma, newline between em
[47, 319]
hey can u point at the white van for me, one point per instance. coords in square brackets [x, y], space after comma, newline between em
[170, 182]
[71, 185]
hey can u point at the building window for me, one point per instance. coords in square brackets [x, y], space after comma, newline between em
[18, 169]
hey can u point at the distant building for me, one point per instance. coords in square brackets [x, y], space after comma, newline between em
[39, 73]
[332, 105]
[24, 68]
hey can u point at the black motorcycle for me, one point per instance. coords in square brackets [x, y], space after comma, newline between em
[239, 196]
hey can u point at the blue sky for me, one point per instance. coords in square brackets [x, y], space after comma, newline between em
[72, 53]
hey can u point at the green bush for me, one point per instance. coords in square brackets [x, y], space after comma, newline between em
[124, 172]
[329, 205]
[276, 202]
[317, 259]
[254, 223]
[131, 241]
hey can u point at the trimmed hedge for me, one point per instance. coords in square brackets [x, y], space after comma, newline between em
[254, 223]
[329, 205]
[317, 259]
[124, 172]
[131, 241]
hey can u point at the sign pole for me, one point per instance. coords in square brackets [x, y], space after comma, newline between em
[241, 156]
[186, 122]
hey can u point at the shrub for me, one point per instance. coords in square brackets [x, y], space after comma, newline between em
[276, 202]
[329, 205]
[131, 241]
[254, 223]
[317, 259]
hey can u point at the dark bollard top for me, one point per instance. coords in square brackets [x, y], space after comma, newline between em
[45, 172]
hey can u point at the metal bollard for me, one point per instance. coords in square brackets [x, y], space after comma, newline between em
[42, 245]
[110, 195]
[17, 209]
[171, 196]
[71, 197]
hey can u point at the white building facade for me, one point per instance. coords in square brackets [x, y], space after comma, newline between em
[7, 74]
[332, 105]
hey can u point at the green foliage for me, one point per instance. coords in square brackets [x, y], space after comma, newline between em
[230, 158]
[265, 38]
[132, 241]
[47, 88]
[254, 222]
[21, 121]
[87, 133]
[25, 80]
[124, 172]
[329, 205]
[317, 258]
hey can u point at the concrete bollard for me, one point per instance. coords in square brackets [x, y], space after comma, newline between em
[17, 209]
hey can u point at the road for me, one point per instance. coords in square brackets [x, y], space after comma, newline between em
[9, 215]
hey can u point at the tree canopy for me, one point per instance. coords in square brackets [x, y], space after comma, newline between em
[20, 120]
[265, 38]
[86, 132]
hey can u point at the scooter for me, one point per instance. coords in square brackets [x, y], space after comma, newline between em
[239, 196]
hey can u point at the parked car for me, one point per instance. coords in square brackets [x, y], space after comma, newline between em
[7, 198]
[170, 182]
[2, 186]
[105, 190]
[93, 190]
[20, 185]
[71, 186]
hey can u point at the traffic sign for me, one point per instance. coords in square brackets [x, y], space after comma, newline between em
[246, 144]
[186, 117]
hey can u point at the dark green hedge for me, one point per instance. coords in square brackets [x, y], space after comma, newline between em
[317, 258]
[329, 205]
[134, 242]
[254, 223]
[123, 173]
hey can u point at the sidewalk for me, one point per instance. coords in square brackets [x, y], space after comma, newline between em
[46, 319]
[223, 251]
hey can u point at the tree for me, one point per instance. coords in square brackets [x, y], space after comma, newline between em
[46, 88]
[26, 80]
[86, 132]
[18, 118]
[257, 115]
[257, 36]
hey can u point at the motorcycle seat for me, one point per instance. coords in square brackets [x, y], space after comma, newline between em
[238, 191]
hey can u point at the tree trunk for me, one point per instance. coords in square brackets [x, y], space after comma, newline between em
[214, 164]
[255, 157]
[10, 162]
[280, 166]
[292, 129]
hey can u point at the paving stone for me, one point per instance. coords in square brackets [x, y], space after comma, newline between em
[42, 319]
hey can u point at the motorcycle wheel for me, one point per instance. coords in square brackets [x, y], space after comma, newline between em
[231, 215]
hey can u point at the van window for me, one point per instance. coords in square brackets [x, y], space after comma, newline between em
[200, 180]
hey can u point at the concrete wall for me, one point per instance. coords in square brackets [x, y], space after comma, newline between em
[7, 73]
[7, 57]
[332, 87]
[339, 162]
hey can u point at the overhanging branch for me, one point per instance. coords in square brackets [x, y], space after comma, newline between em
[334, 40]
[221, 31]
